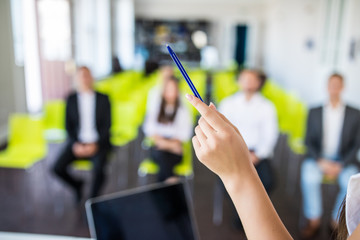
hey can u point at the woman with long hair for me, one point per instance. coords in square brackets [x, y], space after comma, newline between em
[168, 125]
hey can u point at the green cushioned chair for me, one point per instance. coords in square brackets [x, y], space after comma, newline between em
[291, 113]
[184, 168]
[124, 126]
[279, 98]
[148, 166]
[139, 98]
[298, 129]
[104, 86]
[123, 85]
[82, 165]
[224, 84]
[26, 143]
[54, 121]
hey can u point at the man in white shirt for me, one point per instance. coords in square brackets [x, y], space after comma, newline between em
[256, 119]
[88, 128]
[332, 140]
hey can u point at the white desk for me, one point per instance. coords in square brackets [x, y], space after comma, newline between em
[28, 236]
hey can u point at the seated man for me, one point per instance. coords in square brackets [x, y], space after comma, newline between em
[87, 125]
[256, 119]
[332, 140]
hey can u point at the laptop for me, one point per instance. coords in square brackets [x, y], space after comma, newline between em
[159, 211]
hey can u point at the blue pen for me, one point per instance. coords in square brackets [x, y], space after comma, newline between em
[183, 72]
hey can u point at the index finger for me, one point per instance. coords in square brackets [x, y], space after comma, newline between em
[207, 113]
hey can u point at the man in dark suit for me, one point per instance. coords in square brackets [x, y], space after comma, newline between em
[88, 122]
[332, 140]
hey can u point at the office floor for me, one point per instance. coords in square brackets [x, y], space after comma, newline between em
[34, 201]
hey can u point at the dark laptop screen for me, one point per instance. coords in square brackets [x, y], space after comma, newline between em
[157, 213]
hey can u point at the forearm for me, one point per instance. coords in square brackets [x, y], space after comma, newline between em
[254, 207]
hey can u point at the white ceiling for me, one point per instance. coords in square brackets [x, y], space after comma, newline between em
[198, 8]
[208, 1]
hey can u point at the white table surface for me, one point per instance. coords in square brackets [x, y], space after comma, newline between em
[29, 236]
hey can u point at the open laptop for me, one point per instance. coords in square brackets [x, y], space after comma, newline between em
[159, 211]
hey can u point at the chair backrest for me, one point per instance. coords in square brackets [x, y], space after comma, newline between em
[54, 114]
[25, 130]
[125, 123]
[185, 167]
[224, 84]
[104, 86]
[291, 113]
[124, 114]
[187, 153]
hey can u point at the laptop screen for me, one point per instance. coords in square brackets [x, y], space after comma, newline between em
[156, 212]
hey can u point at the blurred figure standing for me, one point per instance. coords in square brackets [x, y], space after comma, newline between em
[168, 125]
[256, 119]
[88, 128]
[332, 140]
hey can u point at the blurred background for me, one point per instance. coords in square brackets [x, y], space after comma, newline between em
[297, 43]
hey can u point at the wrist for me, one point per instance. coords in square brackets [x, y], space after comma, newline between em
[239, 181]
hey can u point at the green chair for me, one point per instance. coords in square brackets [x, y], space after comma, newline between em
[184, 168]
[123, 85]
[26, 143]
[279, 98]
[124, 126]
[104, 86]
[82, 165]
[224, 84]
[54, 121]
[148, 166]
[291, 115]
[298, 129]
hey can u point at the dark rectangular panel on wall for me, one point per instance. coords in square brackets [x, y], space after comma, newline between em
[240, 47]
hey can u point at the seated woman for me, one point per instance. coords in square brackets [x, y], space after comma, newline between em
[168, 125]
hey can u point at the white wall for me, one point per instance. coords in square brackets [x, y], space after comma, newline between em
[287, 60]
[288, 26]
[12, 94]
[351, 68]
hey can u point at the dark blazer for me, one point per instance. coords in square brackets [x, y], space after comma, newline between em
[350, 136]
[103, 119]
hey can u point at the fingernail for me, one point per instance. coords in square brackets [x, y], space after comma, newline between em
[212, 104]
[189, 97]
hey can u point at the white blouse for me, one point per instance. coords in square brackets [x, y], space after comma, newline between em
[181, 128]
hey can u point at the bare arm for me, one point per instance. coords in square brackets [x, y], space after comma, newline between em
[220, 147]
